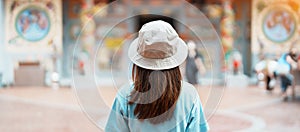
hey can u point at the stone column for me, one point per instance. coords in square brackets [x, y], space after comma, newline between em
[87, 36]
[2, 44]
[227, 30]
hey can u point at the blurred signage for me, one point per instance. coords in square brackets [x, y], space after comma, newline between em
[113, 42]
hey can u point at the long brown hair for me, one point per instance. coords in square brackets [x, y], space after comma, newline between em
[155, 93]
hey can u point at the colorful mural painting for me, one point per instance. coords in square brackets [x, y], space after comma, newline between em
[279, 25]
[33, 24]
[275, 26]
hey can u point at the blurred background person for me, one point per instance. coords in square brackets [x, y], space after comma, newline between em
[237, 62]
[286, 63]
[194, 65]
[265, 71]
[298, 62]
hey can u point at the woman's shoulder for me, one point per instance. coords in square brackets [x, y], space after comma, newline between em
[188, 98]
[125, 90]
[188, 91]
[187, 87]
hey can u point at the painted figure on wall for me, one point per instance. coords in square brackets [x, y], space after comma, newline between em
[32, 24]
[279, 25]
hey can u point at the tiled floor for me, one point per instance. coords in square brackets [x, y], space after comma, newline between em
[44, 109]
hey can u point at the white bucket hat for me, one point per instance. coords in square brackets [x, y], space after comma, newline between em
[158, 47]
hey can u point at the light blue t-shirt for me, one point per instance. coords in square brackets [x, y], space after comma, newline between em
[188, 115]
[282, 60]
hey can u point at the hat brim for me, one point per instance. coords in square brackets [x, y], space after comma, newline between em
[158, 64]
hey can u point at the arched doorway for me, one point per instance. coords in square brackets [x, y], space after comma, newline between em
[142, 19]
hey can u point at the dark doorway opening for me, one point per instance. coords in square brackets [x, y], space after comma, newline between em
[142, 19]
